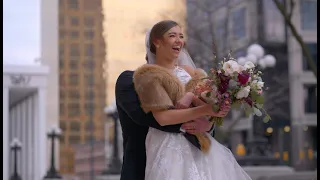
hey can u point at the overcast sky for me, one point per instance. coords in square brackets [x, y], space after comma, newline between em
[21, 31]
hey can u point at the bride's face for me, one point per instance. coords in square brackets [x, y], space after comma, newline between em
[171, 43]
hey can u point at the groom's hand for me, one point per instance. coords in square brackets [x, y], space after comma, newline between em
[199, 125]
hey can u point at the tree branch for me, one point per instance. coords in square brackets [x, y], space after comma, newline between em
[305, 50]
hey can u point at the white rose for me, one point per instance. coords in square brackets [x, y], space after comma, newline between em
[243, 93]
[258, 84]
[249, 65]
[230, 67]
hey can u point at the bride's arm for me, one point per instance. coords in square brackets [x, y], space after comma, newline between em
[152, 87]
[176, 116]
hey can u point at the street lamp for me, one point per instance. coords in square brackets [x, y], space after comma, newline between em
[255, 54]
[114, 166]
[15, 147]
[53, 133]
[257, 144]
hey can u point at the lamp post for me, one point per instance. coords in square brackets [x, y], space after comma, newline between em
[114, 166]
[255, 54]
[257, 153]
[15, 147]
[52, 173]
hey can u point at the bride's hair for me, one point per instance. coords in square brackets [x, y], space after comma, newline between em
[158, 30]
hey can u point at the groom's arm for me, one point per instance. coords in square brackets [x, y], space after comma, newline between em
[127, 99]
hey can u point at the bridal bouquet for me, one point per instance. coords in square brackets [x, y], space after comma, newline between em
[232, 83]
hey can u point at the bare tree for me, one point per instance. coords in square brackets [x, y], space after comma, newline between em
[208, 31]
[287, 15]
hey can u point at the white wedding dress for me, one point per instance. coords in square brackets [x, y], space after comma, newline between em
[171, 157]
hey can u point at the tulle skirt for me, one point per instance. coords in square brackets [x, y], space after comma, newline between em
[171, 157]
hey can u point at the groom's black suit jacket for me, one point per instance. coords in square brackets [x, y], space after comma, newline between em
[134, 123]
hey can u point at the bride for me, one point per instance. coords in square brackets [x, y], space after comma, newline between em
[158, 85]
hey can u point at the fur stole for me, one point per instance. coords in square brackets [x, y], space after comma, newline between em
[159, 89]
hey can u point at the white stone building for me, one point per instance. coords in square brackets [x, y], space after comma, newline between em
[25, 118]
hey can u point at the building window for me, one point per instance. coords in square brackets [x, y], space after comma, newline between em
[313, 51]
[61, 94]
[89, 108]
[89, 35]
[61, 62]
[239, 23]
[89, 125]
[74, 94]
[62, 138]
[61, 109]
[273, 23]
[310, 100]
[89, 64]
[74, 21]
[74, 126]
[62, 125]
[61, 79]
[90, 95]
[61, 5]
[89, 21]
[62, 33]
[74, 139]
[61, 20]
[308, 12]
[89, 138]
[90, 79]
[73, 4]
[92, 5]
[73, 109]
[74, 34]
[74, 50]
[61, 50]
[73, 79]
[89, 50]
[73, 64]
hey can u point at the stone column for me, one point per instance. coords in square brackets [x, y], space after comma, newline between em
[24, 136]
[5, 136]
[30, 135]
[42, 128]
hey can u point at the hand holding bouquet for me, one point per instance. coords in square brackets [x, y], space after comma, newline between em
[232, 83]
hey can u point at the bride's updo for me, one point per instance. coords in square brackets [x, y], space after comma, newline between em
[158, 30]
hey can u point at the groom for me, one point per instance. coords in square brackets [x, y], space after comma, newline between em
[135, 123]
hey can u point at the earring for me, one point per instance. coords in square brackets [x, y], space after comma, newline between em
[157, 46]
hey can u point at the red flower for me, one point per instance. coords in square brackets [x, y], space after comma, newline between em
[224, 83]
[243, 78]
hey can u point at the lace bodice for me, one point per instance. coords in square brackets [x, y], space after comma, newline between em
[182, 75]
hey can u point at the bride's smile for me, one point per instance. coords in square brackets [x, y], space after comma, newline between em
[171, 43]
